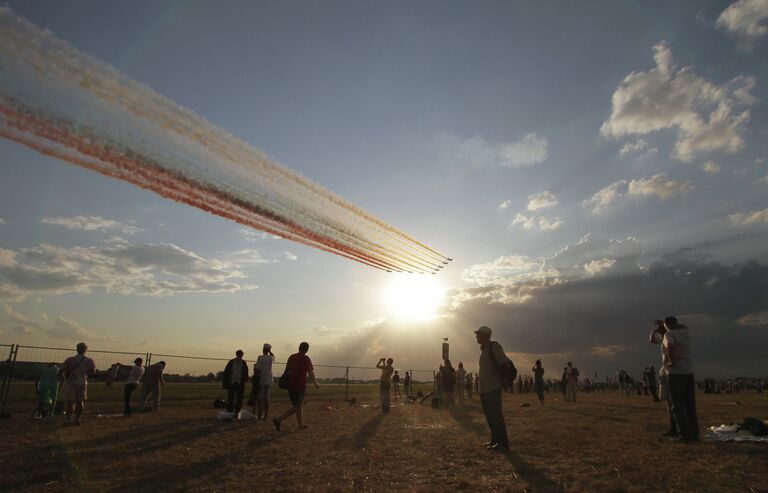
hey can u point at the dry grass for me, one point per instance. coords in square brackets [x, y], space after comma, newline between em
[601, 443]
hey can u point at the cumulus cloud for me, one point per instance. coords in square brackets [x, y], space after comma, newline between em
[534, 222]
[747, 19]
[711, 167]
[654, 186]
[749, 218]
[531, 150]
[543, 200]
[658, 186]
[90, 223]
[631, 147]
[603, 198]
[119, 266]
[505, 205]
[706, 117]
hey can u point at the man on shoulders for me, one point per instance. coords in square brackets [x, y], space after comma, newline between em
[493, 365]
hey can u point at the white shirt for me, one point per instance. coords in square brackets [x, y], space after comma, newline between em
[679, 340]
[134, 374]
[264, 365]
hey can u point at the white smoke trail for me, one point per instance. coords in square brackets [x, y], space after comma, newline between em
[66, 104]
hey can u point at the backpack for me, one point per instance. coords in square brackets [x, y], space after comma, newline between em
[509, 376]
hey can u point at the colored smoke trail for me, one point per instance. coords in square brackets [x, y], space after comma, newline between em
[68, 105]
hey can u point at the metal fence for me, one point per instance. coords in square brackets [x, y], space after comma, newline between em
[25, 363]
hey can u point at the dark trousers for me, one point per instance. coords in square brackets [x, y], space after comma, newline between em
[683, 396]
[491, 402]
[654, 388]
[129, 388]
[235, 397]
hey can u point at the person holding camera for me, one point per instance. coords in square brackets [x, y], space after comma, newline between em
[385, 365]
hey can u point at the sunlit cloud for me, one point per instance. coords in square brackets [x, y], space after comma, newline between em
[745, 19]
[90, 223]
[749, 218]
[658, 186]
[704, 114]
[505, 205]
[631, 147]
[711, 167]
[543, 200]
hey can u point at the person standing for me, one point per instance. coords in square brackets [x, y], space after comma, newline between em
[74, 377]
[470, 379]
[396, 385]
[135, 372]
[677, 346]
[153, 380]
[384, 382]
[657, 337]
[493, 365]
[564, 382]
[47, 387]
[264, 367]
[461, 382]
[298, 367]
[572, 380]
[652, 385]
[407, 384]
[538, 380]
[448, 381]
[235, 376]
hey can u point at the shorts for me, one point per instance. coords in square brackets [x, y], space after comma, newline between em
[297, 397]
[73, 392]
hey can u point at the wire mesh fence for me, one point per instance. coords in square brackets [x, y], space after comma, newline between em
[202, 376]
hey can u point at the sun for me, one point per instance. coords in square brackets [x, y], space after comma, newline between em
[413, 297]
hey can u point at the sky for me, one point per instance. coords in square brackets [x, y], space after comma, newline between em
[590, 167]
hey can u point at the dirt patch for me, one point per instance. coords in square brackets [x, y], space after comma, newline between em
[601, 443]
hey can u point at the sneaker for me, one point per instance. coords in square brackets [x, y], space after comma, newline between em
[488, 443]
[498, 447]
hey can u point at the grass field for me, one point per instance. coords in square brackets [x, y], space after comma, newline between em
[601, 443]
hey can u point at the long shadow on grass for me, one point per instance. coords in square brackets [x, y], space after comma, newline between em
[592, 415]
[538, 481]
[367, 431]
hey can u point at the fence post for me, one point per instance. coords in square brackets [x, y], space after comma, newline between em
[408, 392]
[434, 382]
[148, 361]
[6, 386]
[346, 386]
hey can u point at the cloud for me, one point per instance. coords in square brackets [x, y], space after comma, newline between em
[763, 180]
[630, 147]
[704, 115]
[606, 196]
[90, 223]
[593, 300]
[749, 218]
[745, 19]
[753, 319]
[533, 222]
[711, 167]
[19, 323]
[70, 330]
[118, 266]
[529, 151]
[2, 221]
[505, 205]
[654, 186]
[543, 200]
[255, 236]
[658, 186]
[290, 256]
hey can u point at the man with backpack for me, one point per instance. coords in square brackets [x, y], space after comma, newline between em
[496, 370]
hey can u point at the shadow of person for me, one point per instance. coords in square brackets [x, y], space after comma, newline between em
[536, 479]
[367, 431]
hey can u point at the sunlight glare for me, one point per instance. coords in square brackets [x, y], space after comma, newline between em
[413, 297]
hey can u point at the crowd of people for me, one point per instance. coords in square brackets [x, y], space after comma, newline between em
[673, 383]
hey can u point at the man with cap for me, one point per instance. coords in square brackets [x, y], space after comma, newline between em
[493, 365]
[263, 367]
[235, 376]
[74, 376]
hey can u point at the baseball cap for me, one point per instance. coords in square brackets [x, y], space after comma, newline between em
[484, 330]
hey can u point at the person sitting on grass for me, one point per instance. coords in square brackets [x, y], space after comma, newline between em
[298, 367]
